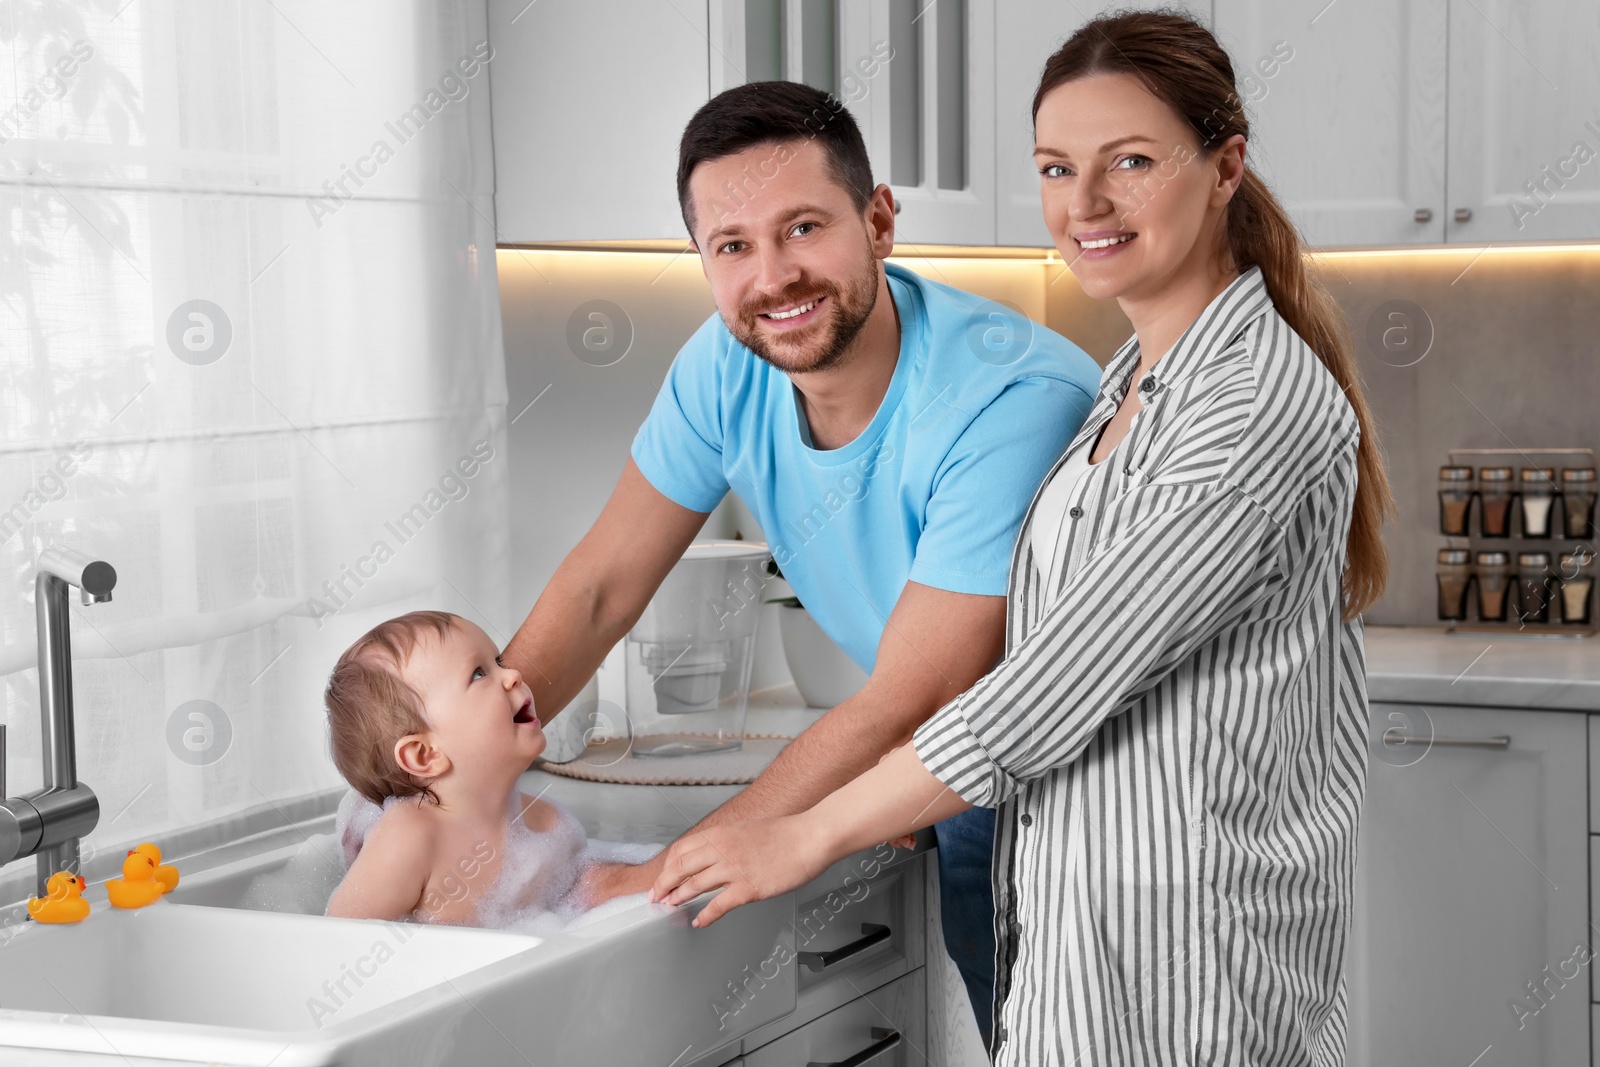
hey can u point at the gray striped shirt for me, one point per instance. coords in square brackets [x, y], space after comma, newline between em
[1175, 738]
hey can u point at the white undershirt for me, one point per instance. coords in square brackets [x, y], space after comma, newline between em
[1051, 514]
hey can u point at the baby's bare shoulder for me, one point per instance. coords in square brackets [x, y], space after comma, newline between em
[538, 814]
[388, 875]
[406, 828]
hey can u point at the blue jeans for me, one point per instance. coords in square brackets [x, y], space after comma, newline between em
[966, 905]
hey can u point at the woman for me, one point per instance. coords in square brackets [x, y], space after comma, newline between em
[1175, 736]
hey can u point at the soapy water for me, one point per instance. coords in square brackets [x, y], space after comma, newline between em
[533, 893]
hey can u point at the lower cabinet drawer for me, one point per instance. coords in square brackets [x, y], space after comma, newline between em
[885, 1028]
[853, 934]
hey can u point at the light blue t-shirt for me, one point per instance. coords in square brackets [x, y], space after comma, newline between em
[982, 402]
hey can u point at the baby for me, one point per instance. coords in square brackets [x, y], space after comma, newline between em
[430, 728]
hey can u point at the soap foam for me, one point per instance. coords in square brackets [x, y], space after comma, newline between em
[536, 890]
[303, 884]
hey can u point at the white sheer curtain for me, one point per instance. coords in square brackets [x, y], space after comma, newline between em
[250, 354]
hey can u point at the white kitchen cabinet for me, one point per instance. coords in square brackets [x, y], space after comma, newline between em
[927, 115]
[1350, 105]
[1467, 121]
[590, 100]
[1026, 33]
[1471, 880]
[1524, 159]
[853, 932]
[1349, 131]
[918, 78]
[588, 103]
[884, 1027]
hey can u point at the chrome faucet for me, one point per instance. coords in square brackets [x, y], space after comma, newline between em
[49, 822]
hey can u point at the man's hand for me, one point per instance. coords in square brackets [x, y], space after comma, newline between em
[754, 860]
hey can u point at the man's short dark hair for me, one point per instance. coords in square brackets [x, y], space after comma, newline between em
[771, 113]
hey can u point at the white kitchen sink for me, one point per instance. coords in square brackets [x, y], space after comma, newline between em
[116, 977]
[210, 981]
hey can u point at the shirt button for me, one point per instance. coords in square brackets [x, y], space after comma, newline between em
[1076, 513]
[1148, 385]
[1026, 820]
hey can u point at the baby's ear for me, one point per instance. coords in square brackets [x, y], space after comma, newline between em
[418, 757]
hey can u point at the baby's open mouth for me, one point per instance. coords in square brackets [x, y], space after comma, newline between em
[524, 713]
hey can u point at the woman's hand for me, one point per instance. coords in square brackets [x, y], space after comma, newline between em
[753, 860]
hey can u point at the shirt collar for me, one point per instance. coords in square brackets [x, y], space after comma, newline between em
[1224, 319]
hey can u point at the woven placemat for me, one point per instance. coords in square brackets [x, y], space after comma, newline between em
[614, 761]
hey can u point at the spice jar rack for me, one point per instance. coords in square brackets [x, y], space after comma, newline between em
[1520, 554]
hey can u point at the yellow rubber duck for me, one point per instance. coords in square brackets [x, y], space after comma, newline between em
[166, 873]
[137, 886]
[63, 900]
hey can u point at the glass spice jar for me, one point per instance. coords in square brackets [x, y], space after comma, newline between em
[1494, 582]
[1455, 575]
[1577, 586]
[1455, 500]
[1494, 501]
[1538, 500]
[1578, 498]
[1533, 586]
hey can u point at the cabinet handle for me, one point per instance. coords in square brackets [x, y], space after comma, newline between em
[1463, 214]
[821, 961]
[883, 1039]
[1423, 214]
[1393, 735]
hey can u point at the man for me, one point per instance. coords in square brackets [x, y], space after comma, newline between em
[887, 432]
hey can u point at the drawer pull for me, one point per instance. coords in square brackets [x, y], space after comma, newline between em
[882, 1041]
[876, 934]
[1393, 736]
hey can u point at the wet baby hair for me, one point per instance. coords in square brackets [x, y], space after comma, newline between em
[370, 706]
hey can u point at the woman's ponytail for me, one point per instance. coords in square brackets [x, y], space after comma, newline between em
[1180, 62]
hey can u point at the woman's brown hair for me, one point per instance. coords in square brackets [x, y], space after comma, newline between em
[1180, 63]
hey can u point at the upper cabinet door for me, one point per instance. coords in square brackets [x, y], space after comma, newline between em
[588, 102]
[918, 78]
[922, 88]
[1026, 33]
[1346, 103]
[1524, 120]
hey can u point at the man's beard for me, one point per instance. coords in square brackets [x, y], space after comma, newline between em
[847, 308]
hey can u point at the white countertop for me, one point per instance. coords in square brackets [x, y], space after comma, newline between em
[1404, 664]
[659, 814]
[1427, 666]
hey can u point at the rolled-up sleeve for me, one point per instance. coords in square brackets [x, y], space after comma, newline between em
[1137, 607]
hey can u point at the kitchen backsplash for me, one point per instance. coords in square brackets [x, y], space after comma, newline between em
[1458, 350]
[1511, 365]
